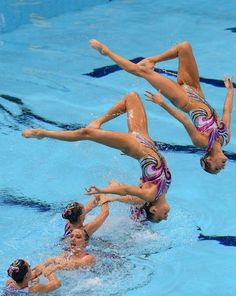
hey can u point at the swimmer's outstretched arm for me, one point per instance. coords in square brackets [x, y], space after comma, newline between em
[197, 139]
[228, 104]
[124, 199]
[146, 194]
[91, 204]
[86, 261]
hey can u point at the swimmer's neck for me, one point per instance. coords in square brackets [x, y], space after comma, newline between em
[22, 285]
[78, 252]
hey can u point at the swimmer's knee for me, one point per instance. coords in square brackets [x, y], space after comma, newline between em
[133, 96]
[185, 46]
[143, 71]
[84, 132]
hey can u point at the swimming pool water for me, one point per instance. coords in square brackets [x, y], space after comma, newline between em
[43, 60]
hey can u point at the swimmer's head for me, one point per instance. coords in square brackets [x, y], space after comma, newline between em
[156, 213]
[73, 212]
[213, 164]
[78, 239]
[18, 270]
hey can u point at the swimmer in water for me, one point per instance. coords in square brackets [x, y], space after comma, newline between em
[75, 213]
[136, 143]
[205, 129]
[25, 281]
[76, 257]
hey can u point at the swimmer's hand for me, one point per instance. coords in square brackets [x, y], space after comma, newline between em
[148, 62]
[33, 133]
[114, 183]
[11, 283]
[97, 199]
[93, 190]
[37, 270]
[102, 48]
[228, 81]
[105, 199]
[155, 98]
[49, 270]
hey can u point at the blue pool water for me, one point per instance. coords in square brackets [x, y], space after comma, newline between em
[44, 56]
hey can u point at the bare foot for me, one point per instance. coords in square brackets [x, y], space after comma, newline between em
[32, 133]
[102, 48]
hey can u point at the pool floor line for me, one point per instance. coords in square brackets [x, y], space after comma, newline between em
[29, 119]
[109, 69]
[10, 199]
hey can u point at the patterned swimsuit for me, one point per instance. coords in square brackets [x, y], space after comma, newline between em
[212, 125]
[151, 172]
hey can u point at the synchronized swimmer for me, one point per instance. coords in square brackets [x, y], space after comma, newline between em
[24, 280]
[75, 214]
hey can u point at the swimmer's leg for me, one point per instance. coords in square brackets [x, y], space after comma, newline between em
[118, 140]
[170, 89]
[136, 115]
[187, 69]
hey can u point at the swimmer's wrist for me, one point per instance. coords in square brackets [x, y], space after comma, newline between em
[162, 104]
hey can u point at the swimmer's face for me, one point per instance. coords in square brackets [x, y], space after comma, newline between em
[77, 239]
[216, 164]
[160, 213]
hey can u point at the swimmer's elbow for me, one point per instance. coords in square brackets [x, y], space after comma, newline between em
[57, 284]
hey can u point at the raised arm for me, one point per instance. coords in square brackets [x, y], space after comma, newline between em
[197, 139]
[93, 226]
[228, 104]
[91, 204]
